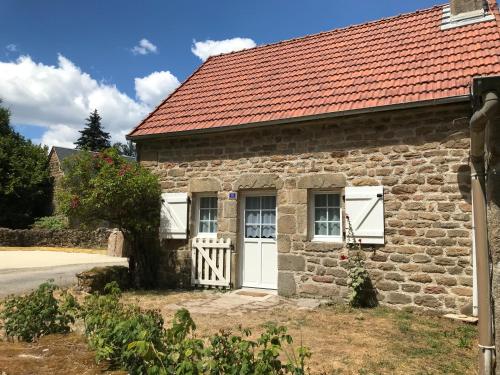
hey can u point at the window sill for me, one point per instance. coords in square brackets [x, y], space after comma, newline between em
[333, 240]
[206, 235]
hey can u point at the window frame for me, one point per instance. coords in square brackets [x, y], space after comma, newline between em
[197, 205]
[312, 218]
[260, 195]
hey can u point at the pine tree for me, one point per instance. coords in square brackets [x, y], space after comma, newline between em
[93, 137]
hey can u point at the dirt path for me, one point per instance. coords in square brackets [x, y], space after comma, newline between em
[54, 354]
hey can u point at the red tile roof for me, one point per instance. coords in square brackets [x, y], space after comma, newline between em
[403, 59]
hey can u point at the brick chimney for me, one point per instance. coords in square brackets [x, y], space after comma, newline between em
[465, 6]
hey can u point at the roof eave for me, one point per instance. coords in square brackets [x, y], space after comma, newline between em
[392, 107]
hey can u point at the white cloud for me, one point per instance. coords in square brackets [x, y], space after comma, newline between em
[215, 47]
[60, 135]
[11, 47]
[144, 47]
[155, 87]
[59, 98]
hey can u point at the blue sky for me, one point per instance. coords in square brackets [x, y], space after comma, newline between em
[79, 54]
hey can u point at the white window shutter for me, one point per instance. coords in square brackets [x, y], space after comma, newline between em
[174, 215]
[365, 207]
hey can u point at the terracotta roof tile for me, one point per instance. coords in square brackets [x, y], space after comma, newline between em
[398, 60]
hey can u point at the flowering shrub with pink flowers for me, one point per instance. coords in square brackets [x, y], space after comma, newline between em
[106, 187]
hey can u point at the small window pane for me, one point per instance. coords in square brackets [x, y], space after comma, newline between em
[213, 214]
[333, 200]
[207, 215]
[320, 200]
[252, 203]
[320, 229]
[204, 227]
[252, 231]
[268, 231]
[334, 229]
[320, 214]
[334, 214]
[204, 214]
[268, 216]
[252, 217]
[213, 202]
[208, 202]
[213, 227]
[269, 202]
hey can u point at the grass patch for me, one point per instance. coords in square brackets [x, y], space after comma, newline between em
[343, 340]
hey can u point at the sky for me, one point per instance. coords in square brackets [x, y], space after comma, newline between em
[61, 59]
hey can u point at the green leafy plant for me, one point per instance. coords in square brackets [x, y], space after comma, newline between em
[359, 283]
[51, 222]
[105, 186]
[135, 340]
[38, 313]
[111, 326]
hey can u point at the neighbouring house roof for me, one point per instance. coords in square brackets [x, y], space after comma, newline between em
[63, 153]
[394, 61]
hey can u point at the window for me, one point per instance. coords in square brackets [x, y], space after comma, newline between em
[326, 217]
[207, 215]
[260, 217]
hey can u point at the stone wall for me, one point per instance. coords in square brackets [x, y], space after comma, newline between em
[56, 174]
[420, 156]
[493, 217]
[55, 167]
[97, 239]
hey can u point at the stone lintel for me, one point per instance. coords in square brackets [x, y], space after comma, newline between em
[204, 185]
[258, 181]
[322, 181]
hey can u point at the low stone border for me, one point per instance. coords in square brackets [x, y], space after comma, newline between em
[96, 279]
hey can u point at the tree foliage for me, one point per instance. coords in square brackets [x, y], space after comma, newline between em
[125, 149]
[93, 137]
[25, 184]
[104, 186]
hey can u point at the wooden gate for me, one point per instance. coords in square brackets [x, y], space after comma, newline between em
[211, 262]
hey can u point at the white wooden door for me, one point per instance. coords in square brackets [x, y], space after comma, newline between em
[259, 253]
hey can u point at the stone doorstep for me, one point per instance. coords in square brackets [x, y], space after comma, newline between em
[462, 318]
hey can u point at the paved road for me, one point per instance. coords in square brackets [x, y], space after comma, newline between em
[21, 271]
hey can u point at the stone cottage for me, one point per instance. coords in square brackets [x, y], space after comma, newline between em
[273, 147]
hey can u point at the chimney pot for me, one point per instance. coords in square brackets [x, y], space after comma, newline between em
[465, 6]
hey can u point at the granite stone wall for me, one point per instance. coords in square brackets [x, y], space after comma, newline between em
[97, 239]
[420, 156]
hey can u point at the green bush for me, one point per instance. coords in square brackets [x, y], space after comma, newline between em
[106, 187]
[51, 222]
[111, 326]
[135, 340]
[38, 313]
[25, 183]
